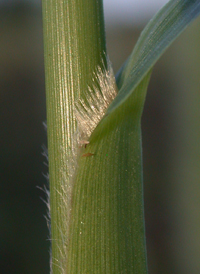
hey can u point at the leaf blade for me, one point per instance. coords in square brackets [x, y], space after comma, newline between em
[159, 33]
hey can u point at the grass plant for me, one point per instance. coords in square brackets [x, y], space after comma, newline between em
[94, 135]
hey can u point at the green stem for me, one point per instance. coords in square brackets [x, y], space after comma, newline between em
[74, 44]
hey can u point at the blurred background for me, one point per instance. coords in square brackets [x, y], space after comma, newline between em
[171, 143]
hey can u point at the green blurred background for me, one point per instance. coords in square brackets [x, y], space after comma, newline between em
[171, 146]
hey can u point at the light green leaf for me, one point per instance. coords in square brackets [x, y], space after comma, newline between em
[107, 228]
[157, 36]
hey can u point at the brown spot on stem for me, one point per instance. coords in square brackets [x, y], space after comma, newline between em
[87, 154]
